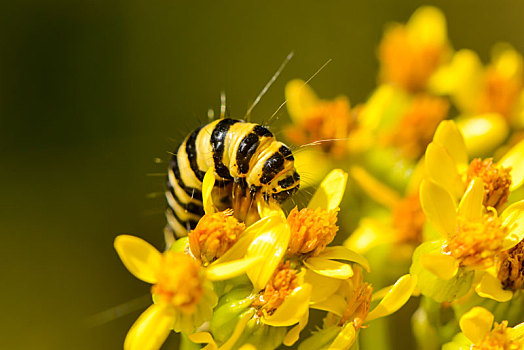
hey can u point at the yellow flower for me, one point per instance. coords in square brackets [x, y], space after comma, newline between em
[472, 235]
[182, 290]
[349, 309]
[409, 54]
[447, 164]
[475, 89]
[482, 334]
[404, 224]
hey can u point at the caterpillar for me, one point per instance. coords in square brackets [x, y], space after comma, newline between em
[249, 164]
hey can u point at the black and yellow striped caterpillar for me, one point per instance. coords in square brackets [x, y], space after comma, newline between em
[248, 162]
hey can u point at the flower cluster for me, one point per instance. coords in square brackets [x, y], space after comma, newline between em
[435, 211]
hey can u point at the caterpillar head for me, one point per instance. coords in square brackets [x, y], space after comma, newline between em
[285, 186]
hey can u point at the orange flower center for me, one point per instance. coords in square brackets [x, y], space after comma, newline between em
[497, 181]
[330, 122]
[407, 63]
[311, 230]
[358, 297]
[415, 129]
[500, 93]
[409, 219]
[179, 281]
[498, 339]
[282, 284]
[477, 242]
[511, 268]
[214, 235]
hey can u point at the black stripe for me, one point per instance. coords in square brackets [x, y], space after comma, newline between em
[287, 182]
[286, 152]
[189, 224]
[192, 192]
[191, 151]
[272, 167]
[262, 131]
[245, 151]
[191, 207]
[282, 196]
[217, 139]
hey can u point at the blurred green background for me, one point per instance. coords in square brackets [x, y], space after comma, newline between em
[91, 92]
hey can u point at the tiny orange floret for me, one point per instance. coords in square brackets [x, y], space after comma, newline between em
[358, 299]
[500, 94]
[180, 281]
[311, 230]
[497, 181]
[498, 339]
[477, 243]
[214, 235]
[281, 284]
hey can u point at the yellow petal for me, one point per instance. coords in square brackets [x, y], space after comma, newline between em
[470, 205]
[344, 339]
[513, 219]
[151, 329]
[139, 257]
[329, 195]
[335, 304]
[324, 286]
[482, 133]
[374, 188]
[516, 332]
[490, 287]
[476, 323]
[292, 309]
[293, 335]
[449, 136]
[203, 338]
[443, 266]
[267, 209]
[207, 188]
[395, 299]
[301, 100]
[329, 268]
[342, 253]
[427, 25]
[230, 269]
[515, 159]
[439, 207]
[443, 169]
[271, 245]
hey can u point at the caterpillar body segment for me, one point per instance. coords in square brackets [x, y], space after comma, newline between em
[249, 164]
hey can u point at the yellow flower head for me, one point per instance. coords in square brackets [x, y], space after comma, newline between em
[447, 164]
[214, 235]
[316, 120]
[349, 307]
[409, 54]
[475, 89]
[182, 290]
[483, 334]
[415, 129]
[473, 236]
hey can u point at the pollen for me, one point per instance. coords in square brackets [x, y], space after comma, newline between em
[500, 93]
[329, 121]
[281, 284]
[409, 219]
[214, 235]
[497, 181]
[510, 268]
[407, 63]
[477, 243]
[179, 281]
[498, 339]
[358, 297]
[416, 127]
[311, 230]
